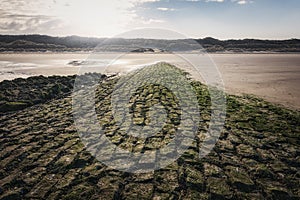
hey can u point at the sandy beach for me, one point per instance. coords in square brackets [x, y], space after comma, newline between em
[274, 77]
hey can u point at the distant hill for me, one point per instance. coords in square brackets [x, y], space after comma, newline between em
[252, 45]
[76, 43]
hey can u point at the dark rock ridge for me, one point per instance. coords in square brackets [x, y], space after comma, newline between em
[21, 93]
[256, 157]
[143, 50]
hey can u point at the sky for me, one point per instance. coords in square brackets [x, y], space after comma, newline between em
[222, 19]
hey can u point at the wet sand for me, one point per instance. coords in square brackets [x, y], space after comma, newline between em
[274, 77]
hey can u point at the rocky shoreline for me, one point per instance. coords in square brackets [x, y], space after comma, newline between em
[42, 157]
[21, 93]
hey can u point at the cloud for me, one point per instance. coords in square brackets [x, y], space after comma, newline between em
[165, 9]
[219, 1]
[26, 23]
[151, 21]
[26, 16]
[70, 16]
[242, 2]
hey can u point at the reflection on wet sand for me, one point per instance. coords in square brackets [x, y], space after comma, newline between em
[275, 77]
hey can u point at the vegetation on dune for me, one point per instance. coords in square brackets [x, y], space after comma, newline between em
[256, 157]
[75, 43]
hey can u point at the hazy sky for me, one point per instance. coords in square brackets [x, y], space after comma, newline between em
[273, 19]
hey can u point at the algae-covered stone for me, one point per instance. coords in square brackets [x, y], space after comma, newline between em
[108, 186]
[229, 159]
[166, 181]
[263, 171]
[274, 190]
[246, 151]
[226, 145]
[265, 155]
[82, 191]
[194, 178]
[11, 195]
[240, 179]
[143, 177]
[13, 106]
[249, 196]
[279, 166]
[138, 191]
[211, 170]
[67, 179]
[195, 194]
[218, 188]
[44, 186]
[161, 196]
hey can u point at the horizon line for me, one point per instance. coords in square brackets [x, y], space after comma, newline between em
[195, 38]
